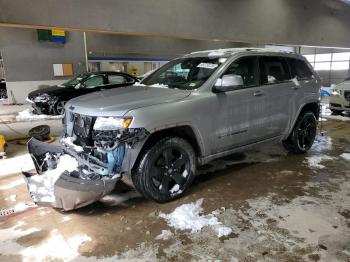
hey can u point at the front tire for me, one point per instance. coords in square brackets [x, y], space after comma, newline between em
[166, 170]
[59, 107]
[303, 134]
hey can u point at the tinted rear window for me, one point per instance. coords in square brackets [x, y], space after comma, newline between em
[299, 69]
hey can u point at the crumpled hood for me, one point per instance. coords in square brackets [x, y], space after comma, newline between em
[117, 102]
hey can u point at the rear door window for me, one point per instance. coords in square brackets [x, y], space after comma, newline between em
[94, 81]
[117, 79]
[299, 69]
[273, 70]
[247, 68]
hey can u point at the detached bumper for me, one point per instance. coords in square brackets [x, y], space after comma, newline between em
[66, 191]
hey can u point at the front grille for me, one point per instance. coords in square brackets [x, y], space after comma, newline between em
[82, 127]
[347, 95]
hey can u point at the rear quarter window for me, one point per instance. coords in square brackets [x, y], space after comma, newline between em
[299, 69]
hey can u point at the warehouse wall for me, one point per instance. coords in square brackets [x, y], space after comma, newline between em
[294, 22]
[28, 62]
[104, 45]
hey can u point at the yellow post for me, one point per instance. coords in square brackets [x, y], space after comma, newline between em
[2, 145]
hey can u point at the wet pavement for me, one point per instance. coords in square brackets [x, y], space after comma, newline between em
[280, 207]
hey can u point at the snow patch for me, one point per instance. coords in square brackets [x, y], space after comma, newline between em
[345, 156]
[11, 198]
[117, 199]
[42, 186]
[69, 141]
[66, 218]
[216, 53]
[29, 115]
[295, 81]
[321, 144]
[21, 207]
[164, 235]
[175, 189]
[15, 165]
[190, 217]
[314, 161]
[159, 85]
[338, 117]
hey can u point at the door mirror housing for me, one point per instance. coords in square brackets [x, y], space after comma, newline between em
[228, 83]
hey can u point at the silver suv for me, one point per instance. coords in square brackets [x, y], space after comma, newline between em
[194, 109]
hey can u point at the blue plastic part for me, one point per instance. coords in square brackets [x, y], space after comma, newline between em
[115, 158]
[325, 93]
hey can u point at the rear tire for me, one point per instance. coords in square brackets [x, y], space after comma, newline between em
[166, 170]
[303, 134]
[41, 133]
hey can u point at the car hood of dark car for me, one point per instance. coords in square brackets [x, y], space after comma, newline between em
[51, 90]
[117, 102]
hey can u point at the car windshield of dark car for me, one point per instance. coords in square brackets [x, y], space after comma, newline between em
[73, 82]
[184, 73]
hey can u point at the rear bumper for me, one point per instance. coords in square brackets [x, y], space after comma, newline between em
[68, 191]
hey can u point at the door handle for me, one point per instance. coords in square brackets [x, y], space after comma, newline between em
[258, 93]
[295, 87]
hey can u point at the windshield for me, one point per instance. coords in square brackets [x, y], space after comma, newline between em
[184, 73]
[73, 82]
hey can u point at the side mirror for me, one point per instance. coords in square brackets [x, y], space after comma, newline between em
[228, 83]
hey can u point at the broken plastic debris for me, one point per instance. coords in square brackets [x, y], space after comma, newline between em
[69, 141]
[42, 186]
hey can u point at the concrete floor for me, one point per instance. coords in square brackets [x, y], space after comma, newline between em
[280, 208]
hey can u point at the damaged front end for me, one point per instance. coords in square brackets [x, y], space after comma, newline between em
[87, 164]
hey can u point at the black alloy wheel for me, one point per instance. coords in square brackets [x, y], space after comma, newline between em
[59, 107]
[166, 170]
[306, 133]
[303, 134]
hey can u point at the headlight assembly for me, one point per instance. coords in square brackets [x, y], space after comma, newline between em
[45, 98]
[112, 123]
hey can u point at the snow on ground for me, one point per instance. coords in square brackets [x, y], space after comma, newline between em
[42, 186]
[345, 156]
[326, 113]
[56, 246]
[338, 117]
[321, 144]
[190, 217]
[159, 85]
[69, 141]
[165, 235]
[11, 198]
[66, 218]
[318, 151]
[27, 114]
[16, 164]
[117, 199]
[315, 161]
